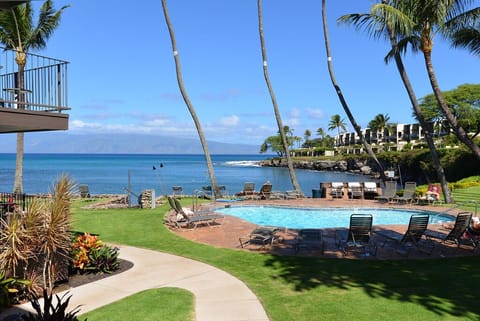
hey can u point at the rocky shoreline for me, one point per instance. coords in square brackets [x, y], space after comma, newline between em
[355, 166]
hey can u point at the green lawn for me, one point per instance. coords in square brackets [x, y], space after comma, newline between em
[166, 304]
[309, 289]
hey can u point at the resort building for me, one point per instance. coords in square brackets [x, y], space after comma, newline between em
[393, 137]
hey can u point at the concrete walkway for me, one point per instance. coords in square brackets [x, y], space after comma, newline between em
[218, 295]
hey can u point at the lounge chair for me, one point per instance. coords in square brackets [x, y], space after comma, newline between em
[370, 190]
[195, 219]
[84, 191]
[456, 234]
[264, 192]
[416, 230]
[309, 239]
[355, 190]
[389, 193]
[248, 190]
[262, 237]
[408, 193]
[292, 194]
[177, 191]
[337, 190]
[358, 234]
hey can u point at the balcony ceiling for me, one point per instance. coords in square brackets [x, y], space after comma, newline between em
[14, 120]
[7, 4]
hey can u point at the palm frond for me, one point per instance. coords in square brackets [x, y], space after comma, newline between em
[468, 38]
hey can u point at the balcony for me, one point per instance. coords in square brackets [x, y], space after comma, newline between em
[41, 102]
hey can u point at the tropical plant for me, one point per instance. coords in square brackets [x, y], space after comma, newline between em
[40, 236]
[90, 254]
[276, 110]
[18, 32]
[51, 311]
[336, 120]
[189, 104]
[10, 287]
[381, 22]
[416, 26]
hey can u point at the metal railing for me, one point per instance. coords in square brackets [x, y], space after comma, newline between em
[44, 83]
[11, 201]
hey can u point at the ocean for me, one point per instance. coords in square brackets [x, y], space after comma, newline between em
[112, 173]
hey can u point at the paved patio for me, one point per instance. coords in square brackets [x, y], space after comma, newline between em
[227, 233]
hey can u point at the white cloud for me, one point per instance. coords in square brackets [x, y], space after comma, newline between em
[315, 113]
[233, 120]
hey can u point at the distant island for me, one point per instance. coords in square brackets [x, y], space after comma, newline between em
[65, 142]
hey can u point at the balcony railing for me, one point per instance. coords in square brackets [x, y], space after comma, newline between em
[44, 87]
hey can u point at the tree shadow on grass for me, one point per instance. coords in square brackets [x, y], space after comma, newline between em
[443, 286]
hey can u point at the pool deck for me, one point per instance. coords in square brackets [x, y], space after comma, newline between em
[229, 229]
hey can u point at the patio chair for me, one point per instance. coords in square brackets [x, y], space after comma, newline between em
[355, 190]
[389, 193]
[417, 227]
[309, 239]
[177, 191]
[456, 234]
[408, 193]
[84, 191]
[261, 237]
[358, 234]
[337, 190]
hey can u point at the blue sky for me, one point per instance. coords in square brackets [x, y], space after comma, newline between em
[122, 72]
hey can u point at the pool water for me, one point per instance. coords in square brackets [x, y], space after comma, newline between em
[295, 218]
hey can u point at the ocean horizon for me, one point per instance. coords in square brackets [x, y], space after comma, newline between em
[114, 173]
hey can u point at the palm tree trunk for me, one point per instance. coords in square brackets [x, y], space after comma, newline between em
[457, 129]
[357, 128]
[291, 169]
[190, 107]
[427, 128]
[18, 182]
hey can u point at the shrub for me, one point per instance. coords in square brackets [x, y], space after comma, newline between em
[10, 287]
[90, 254]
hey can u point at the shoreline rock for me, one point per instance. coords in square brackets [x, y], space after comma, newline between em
[354, 166]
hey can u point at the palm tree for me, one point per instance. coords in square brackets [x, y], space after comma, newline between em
[379, 124]
[421, 21]
[283, 137]
[337, 122]
[379, 24]
[307, 134]
[189, 104]
[354, 123]
[18, 33]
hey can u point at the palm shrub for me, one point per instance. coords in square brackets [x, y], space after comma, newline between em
[37, 242]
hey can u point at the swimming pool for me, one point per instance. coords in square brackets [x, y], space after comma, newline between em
[296, 217]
